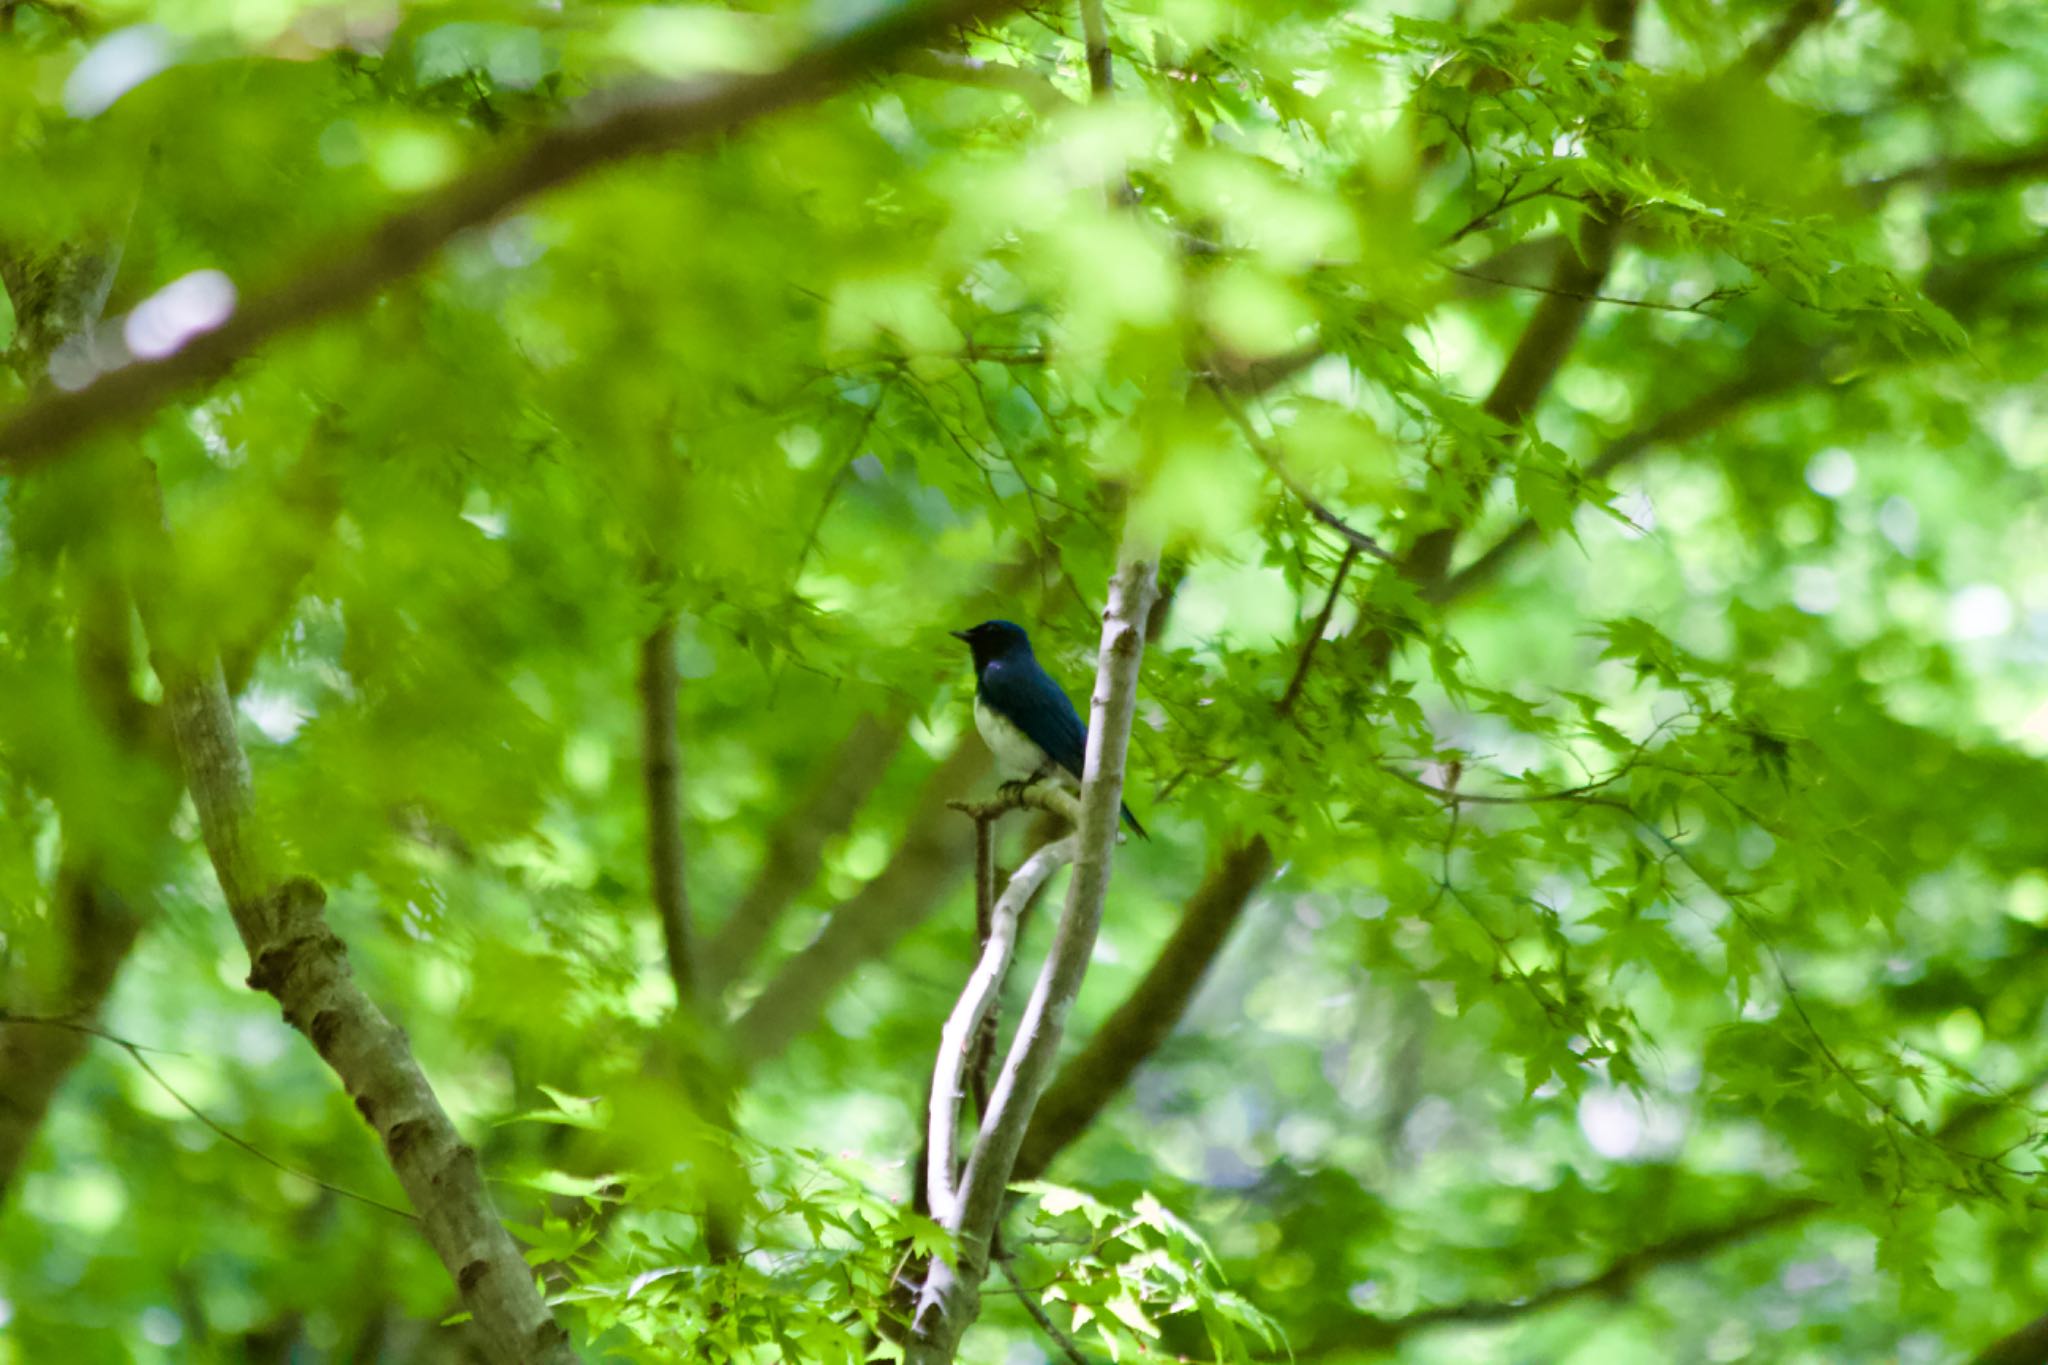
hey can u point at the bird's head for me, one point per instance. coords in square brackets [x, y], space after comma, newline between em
[993, 640]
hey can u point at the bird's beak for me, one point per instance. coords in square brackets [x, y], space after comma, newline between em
[960, 635]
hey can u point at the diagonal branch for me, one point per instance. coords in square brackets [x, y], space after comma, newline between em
[1621, 1275]
[933, 852]
[2027, 1346]
[1133, 1033]
[796, 846]
[957, 68]
[341, 275]
[1354, 539]
[295, 957]
[1615, 1279]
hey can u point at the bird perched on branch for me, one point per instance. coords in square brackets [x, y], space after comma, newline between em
[1025, 719]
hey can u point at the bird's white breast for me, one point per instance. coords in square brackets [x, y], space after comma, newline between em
[1017, 755]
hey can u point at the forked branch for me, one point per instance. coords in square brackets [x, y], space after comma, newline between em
[951, 1296]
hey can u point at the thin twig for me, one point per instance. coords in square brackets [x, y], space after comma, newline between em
[1508, 199]
[136, 1050]
[1315, 634]
[983, 1051]
[1352, 536]
[1696, 308]
[1066, 1344]
[838, 481]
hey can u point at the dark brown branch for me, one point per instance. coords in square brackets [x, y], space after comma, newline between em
[1097, 1074]
[1964, 173]
[341, 275]
[1702, 414]
[99, 932]
[661, 772]
[982, 1054]
[1538, 355]
[2027, 1346]
[796, 846]
[1617, 1278]
[1776, 367]
[1767, 52]
[1621, 1275]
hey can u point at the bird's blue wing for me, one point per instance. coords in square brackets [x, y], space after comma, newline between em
[1026, 694]
[1034, 703]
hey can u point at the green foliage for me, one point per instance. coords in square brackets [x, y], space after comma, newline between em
[1654, 966]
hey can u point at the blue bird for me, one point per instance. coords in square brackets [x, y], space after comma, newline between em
[1025, 719]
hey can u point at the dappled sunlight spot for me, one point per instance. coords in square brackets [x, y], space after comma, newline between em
[410, 159]
[680, 42]
[161, 1327]
[587, 763]
[278, 717]
[181, 310]
[260, 1042]
[515, 244]
[1832, 473]
[2027, 899]
[1899, 522]
[1815, 589]
[1979, 612]
[1622, 1126]
[116, 64]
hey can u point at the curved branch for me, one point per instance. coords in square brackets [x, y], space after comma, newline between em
[957, 1037]
[339, 276]
[950, 1298]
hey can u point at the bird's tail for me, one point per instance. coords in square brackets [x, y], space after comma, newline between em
[1136, 828]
